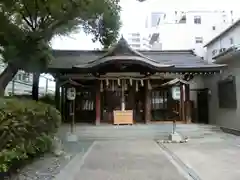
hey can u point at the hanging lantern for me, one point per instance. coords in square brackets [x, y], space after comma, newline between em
[130, 81]
[136, 86]
[142, 84]
[101, 86]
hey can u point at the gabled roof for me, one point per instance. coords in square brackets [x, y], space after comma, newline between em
[122, 48]
[121, 51]
[176, 60]
[174, 82]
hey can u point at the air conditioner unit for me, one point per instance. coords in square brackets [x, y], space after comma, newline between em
[222, 50]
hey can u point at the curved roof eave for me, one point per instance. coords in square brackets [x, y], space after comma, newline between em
[122, 42]
[132, 59]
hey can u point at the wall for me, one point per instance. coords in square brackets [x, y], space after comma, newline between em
[229, 118]
[195, 83]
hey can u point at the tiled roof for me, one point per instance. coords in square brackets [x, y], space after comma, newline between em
[178, 59]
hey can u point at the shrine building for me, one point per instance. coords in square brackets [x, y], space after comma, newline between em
[125, 86]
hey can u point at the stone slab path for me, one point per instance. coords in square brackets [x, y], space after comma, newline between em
[126, 160]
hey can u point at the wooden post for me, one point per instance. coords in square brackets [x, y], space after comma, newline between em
[57, 94]
[187, 104]
[123, 97]
[147, 108]
[98, 104]
[72, 114]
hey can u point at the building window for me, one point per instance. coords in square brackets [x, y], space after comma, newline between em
[135, 39]
[183, 20]
[231, 41]
[198, 40]
[214, 52]
[19, 77]
[135, 34]
[159, 100]
[214, 28]
[136, 45]
[197, 20]
[26, 77]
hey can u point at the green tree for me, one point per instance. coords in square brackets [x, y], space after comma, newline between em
[27, 27]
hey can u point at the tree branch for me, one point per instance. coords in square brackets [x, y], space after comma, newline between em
[36, 13]
[31, 24]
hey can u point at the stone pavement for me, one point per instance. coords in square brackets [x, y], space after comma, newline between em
[127, 160]
[130, 152]
[137, 131]
[210, 157]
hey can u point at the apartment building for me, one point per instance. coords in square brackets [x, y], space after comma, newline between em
[22, 84]
[188, 30]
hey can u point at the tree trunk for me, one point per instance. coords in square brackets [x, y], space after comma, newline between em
[35, 86]
[6, 76]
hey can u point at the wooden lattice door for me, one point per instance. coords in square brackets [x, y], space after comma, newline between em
[85, 105]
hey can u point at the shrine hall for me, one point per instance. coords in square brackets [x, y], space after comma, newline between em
[125, 86]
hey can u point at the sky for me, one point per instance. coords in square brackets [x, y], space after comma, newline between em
[133, 17]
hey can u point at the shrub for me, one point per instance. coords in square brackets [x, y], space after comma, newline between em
[26, 130]
[48, 99]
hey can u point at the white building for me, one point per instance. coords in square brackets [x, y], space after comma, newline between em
[22, 84]
[224, 102]
[137, 40]
[189, 30]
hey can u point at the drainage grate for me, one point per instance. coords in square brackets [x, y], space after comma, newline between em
[187, 169]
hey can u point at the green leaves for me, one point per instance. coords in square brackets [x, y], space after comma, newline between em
[26, 129]
[27, 26]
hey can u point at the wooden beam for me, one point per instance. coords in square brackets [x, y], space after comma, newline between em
[187, 104]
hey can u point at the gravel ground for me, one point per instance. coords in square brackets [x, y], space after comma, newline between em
[46, 167]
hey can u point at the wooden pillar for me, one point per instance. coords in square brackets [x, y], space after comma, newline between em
[57, 95]
[63, 96]
[182, 107]
[147, 109]
[188, 104]
[98, 104]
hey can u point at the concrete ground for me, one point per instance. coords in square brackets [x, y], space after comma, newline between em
[127, 160]
[131, 152]
[210, 157]
[138, 131]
